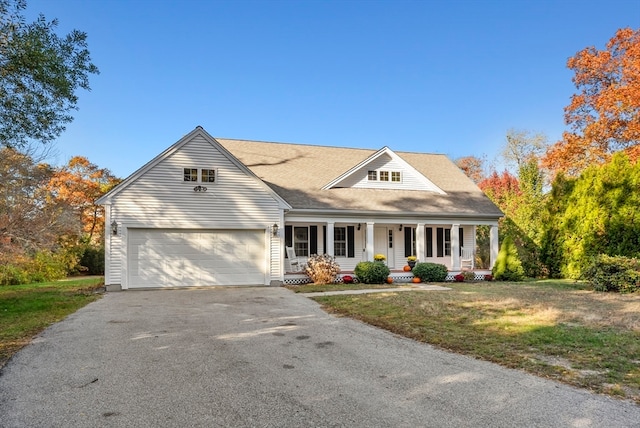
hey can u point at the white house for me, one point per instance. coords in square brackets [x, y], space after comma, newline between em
[210, 212]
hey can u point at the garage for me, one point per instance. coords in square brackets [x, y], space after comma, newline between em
[195, 258]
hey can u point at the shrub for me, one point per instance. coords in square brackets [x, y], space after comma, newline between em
[469, 276]
[322, 269]
[430, 272]
[92, 260]
[372, 272]
[508, 266]
[607, 273]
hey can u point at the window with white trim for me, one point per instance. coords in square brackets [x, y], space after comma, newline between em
[208, 175]
[340, 242]
[190, 174]
[384, 175]
[301, 241]
[372, 175]
[395, 176]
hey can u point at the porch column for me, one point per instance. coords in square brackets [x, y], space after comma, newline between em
[494, 245]
[370, 244]
[329, 249]
[455, 247]
[420, 241]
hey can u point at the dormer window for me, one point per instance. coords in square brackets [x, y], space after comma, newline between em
[395, 176]
[384, 175]
[372, 175]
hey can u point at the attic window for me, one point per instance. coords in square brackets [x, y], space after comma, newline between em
[372, 175]
[208, 175]
[384, 175]
[395, 176]
[190, 174]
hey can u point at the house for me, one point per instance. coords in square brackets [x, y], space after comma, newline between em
[211, 211]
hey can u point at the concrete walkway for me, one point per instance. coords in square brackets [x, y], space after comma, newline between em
[266, 357]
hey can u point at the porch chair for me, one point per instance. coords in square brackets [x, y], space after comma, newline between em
[467, 259]
[294, 262]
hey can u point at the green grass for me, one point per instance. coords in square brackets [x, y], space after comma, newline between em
[556, 329]
[26, 310]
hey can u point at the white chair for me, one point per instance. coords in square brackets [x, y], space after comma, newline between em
[467, 259]
[294, 262]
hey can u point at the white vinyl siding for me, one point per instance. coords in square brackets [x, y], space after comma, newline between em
[408, 180]
[159, 198]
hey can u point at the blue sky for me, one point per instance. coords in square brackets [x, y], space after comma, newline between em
[446, 77]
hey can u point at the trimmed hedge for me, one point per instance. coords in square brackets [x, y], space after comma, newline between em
[372, 272]
[613, 273]
[431, 272]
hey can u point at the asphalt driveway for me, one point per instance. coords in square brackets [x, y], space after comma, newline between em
[265, 357]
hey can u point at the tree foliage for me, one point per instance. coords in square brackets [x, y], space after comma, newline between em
[596, 213]
[79, 184]
[473, 167]
[604, 115]
[508, 266]
[522, 146]
[40, 73]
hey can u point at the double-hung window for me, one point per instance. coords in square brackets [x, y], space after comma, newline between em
[340, 242]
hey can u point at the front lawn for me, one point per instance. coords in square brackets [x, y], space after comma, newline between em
[26, 310]
[555, 329]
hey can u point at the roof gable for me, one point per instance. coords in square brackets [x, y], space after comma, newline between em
[384, 160]
[197, 134]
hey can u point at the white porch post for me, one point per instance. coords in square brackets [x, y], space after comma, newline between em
[370, 244]
[420, 241]
[455, 247]
[494, 245]
[329, 249]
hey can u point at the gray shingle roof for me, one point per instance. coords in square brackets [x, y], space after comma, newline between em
[298, 172]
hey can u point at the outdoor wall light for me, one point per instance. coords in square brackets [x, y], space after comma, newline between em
[358, 226]
[114, 228]
[400, 228]
[274, 229]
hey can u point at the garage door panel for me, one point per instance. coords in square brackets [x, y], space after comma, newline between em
[165, 258]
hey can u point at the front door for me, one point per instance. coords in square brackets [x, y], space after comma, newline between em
[383, 243]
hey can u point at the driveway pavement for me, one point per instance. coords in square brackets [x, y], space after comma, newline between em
[265, 357]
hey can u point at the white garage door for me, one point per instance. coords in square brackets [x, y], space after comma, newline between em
[189, 258]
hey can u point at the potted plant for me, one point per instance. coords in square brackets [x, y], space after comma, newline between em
[411, 261]
[379, 257]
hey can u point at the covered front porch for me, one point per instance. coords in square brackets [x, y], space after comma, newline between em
[351, 241]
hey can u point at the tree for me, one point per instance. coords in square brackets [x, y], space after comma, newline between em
[522, 146]
[79, 184]
[473, 167]
[596, 213]
[40, 73]
[604, 115]
[29, 220]
[508, 266]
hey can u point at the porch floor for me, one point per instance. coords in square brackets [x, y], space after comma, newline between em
[398, 275]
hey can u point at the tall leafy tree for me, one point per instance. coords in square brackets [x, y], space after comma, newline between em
[604, 116]
[79, 184]
[40, 74]
[473, 167]
[596, 213]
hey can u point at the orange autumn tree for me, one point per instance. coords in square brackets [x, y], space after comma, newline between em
[79, 184]
[604, 116]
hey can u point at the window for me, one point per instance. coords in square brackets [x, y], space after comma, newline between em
[208, 175]
[390, 238]
[190, 174]
[395, 176]
[372, 175]
[443, 242]
[301, 241]
[340, 242]
[384, 175]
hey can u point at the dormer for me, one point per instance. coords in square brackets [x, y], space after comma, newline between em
[384, 170]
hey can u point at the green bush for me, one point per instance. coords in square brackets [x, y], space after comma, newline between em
[92, 261]
[508, 266]
[617, 273]
[40, 267]
[322, 269]
[372, 272]
[431, 272]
